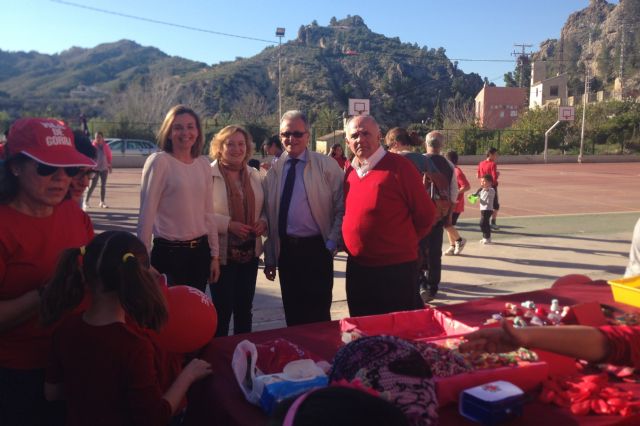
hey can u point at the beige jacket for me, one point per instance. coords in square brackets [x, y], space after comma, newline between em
[323, 180]
[221, 207]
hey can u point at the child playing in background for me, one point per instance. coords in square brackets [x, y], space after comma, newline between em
[456, 242]
[106, 369]
[488, 167]
[487, 195]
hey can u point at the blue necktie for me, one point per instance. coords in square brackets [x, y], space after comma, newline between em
[285, 201]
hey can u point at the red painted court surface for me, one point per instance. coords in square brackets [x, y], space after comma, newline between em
[571, 188]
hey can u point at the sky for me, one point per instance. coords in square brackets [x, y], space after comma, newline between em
[480, 34]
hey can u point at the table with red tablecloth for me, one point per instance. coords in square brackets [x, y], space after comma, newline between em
[218, 399]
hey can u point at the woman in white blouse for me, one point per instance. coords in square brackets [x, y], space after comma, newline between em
[238, 201]
[176, 204]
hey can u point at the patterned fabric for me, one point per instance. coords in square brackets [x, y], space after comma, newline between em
[395, 368]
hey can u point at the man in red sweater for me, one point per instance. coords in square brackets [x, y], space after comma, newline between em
[387, 211]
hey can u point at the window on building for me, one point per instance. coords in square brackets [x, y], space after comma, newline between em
[501, 114]
[514, 113]
[553, 91]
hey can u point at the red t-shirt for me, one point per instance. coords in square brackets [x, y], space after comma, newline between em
[487, 167]
[462, 182]
[29, 251]
[624, 345]
[386, 213]
[110, 375]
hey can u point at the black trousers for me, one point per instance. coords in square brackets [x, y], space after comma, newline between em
[432, 246]
[233, 294]
[485, 223]
[183, 265]
[373, 290]
[305, 267]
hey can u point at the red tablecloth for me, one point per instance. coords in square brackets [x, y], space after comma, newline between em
[218, 399]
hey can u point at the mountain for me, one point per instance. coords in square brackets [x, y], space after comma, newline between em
[325, 66]
[610, 26]
[80, 78]
[321, 69]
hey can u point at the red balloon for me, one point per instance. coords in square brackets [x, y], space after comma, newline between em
[571, 279]
[192, 320]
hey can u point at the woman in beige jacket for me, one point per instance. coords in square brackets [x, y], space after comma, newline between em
[238, 203]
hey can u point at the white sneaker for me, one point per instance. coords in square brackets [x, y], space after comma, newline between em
[103, 205]
[459, 246]
[450, 251]
[85, 206]
[485, 241]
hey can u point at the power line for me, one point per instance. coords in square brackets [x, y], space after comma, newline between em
[155, 21]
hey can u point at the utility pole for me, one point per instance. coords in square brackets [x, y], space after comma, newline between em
[621, 72]
[279, 34]
[522, 56]
[587, 87]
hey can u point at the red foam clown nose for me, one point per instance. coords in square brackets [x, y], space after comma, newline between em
[192, 320]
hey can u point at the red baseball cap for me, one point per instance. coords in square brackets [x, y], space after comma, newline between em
[47, 141]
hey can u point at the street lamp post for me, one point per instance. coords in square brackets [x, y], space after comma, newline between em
[279, 34]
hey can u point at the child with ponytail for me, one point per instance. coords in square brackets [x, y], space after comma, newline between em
[104, 368]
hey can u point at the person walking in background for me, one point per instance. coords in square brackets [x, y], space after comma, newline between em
[103, 168]
[238, 199]
[176, 204]
[487, 195]
[488, 167]
[400, 141]
[337, 153]
[443, 188]
[273, 148]
[633, 268]
[304, 205]
[387, 211]
[456, 242]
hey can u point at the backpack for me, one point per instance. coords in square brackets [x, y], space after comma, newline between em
[395, 368]
[439, 177]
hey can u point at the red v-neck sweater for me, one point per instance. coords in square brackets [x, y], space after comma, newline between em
[386, 213]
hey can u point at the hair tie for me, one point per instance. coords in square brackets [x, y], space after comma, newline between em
[126, 257]
[83, 251]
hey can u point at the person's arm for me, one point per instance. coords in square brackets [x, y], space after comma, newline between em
[335, 177]
[421, 208]
[210, 223]
[576, 341]
[18, 310]
[194, 371]
[151, 187]
[463, 183]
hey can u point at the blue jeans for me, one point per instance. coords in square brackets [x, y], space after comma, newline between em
[233, 294]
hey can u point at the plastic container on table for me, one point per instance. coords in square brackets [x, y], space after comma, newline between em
[626, 290]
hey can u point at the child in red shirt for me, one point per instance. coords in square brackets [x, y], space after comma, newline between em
[104, 368]
[489, 167]
[456, 242]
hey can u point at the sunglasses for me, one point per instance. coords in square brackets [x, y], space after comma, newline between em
[296, 135]
[45, 170]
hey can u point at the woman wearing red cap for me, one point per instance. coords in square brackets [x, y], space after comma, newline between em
[35, 227]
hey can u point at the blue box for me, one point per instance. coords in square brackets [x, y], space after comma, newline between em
[491, 403]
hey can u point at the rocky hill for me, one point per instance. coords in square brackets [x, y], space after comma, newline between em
[610, 26]
[321, 69]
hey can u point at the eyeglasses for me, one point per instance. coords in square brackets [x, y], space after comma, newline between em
[46, 170]
[296, 135]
